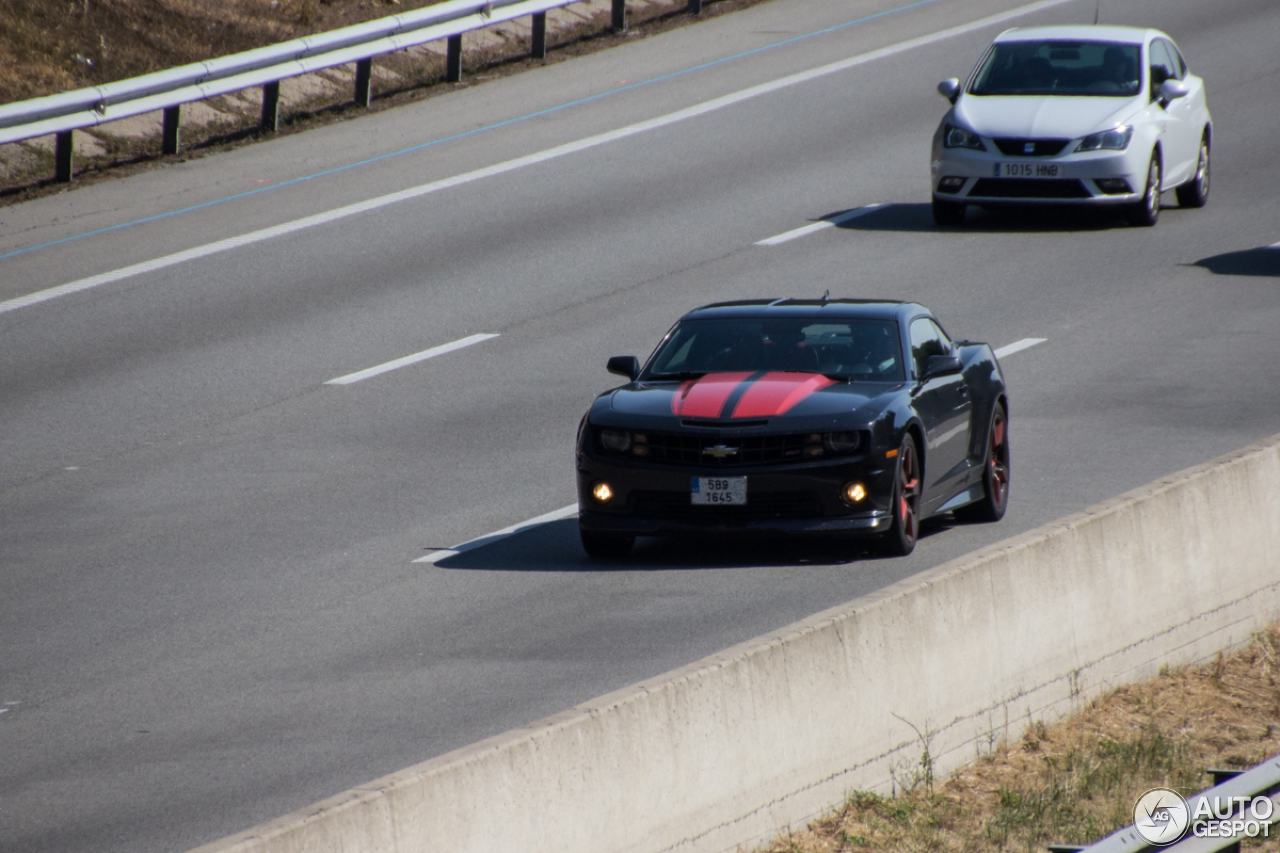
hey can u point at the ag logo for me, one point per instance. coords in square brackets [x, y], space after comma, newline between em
[1161, 816]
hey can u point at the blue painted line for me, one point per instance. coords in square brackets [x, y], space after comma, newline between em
[472, 132]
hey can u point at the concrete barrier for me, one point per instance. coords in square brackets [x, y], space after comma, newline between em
[727, 750]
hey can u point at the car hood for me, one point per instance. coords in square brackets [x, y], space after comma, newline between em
[1041, 117]
[739, 397]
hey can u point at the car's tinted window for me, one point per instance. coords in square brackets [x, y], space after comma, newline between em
[927, 340]
[858, 349]
[1179, 66]
[1163, 67]
[1104, 69]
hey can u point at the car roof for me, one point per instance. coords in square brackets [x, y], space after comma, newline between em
[871, 309]
[1081, 32]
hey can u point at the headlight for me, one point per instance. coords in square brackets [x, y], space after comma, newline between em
[842, 442]
[1111, 140]
[958, 137]
[615, 439]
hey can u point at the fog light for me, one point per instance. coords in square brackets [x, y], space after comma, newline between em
[1113, 186]
[600, 491]
[853, 493]
[951, 184]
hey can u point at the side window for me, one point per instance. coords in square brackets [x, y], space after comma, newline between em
[1162, 67]
[1179, 64]
[927, 340]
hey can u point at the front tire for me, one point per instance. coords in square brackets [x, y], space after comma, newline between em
[947, 212]
[995, 478]
[1195, 192]
[900, 540]
[1147, 212]
[602, 545]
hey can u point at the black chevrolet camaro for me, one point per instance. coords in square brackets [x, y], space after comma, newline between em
[826, 416]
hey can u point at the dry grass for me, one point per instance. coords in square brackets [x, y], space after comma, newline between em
[1078, 780]
[47, 46]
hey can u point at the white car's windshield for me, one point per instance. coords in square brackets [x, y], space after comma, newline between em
[1105, 69]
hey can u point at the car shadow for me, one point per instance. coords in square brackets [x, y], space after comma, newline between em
[1253, 262]
[918, 217]
[555, 547]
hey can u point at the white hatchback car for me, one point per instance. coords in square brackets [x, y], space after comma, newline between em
[1074, 115]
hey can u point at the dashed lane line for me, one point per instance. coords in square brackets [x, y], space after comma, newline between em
[1018, 346]
[819, 226]
[398, 363]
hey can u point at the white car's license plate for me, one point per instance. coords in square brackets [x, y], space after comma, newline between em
[1028, 170]
[719, 491]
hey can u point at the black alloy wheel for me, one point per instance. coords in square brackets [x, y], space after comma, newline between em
[1147, 212]
[900, 540]
[1195, 192]
[947, 212]
[995, 477]
[603, 545]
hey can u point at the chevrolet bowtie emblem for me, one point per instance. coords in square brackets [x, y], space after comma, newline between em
[719, 451]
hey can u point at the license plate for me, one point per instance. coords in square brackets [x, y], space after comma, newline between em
[1028, 170]
[719, 491]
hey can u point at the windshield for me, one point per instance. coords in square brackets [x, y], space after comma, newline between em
[853, 349]
[1060, 68]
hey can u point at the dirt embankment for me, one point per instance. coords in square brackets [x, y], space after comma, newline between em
[1076, 781]
[49, 46]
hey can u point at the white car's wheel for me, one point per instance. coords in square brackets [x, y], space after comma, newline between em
[1195, 192]
[1147, 212]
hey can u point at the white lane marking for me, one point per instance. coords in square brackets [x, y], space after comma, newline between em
[410, 359]
[445, 553]
[1019, 346]
[518, 163]
[818, 226]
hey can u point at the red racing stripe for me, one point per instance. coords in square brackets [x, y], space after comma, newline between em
[776, 393]
[705, 397]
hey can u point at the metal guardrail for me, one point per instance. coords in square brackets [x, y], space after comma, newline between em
[67, 112]
[1241, 787]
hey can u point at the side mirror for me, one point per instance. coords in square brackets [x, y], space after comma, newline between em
[1173, 89]
[941, 365]
[949, 89]
[625, 365]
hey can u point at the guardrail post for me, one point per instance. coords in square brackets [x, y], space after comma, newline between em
[271, 107]
[538, 49]
[364, 82]
[453, 62]
[63, 150]
[619, 15]
[172, 136]
[695, 7]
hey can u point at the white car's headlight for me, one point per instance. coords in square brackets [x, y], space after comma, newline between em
[958, 137]
[1116, 139]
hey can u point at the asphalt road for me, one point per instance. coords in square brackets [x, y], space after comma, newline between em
[209, 609]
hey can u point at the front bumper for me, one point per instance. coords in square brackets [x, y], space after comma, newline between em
[795, 498]
[992, 178]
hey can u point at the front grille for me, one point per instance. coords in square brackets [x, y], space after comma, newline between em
[686, 449]
[1039, 147]
[759, 507]
[1028, 188]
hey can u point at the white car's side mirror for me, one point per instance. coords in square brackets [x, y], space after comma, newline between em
[1173, 89]
[949, 89]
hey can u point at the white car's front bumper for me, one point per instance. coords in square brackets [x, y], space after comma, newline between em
[992, 177]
